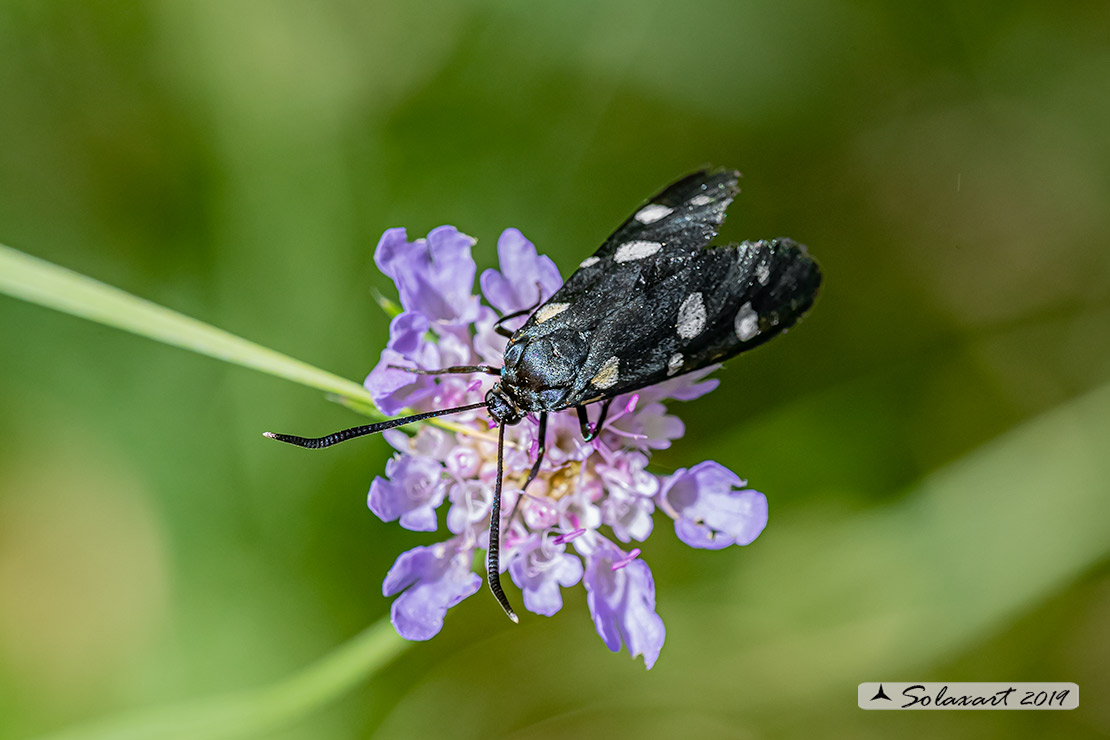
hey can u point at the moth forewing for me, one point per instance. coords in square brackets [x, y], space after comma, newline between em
[711, 305]
[683, 216]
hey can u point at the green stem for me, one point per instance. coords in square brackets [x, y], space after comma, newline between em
[258, 711]
[35, 280]
[38, 281]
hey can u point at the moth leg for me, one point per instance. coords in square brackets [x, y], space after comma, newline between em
[535, 467]
[589, 431]
[583, 422]
[517, 314]
[542, 439]
[454, 369]
[493, 556]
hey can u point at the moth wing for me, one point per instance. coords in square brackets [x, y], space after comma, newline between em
[686, 213]
[681, 218]
[722, 301]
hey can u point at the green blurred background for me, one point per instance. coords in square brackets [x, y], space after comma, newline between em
[932, 439]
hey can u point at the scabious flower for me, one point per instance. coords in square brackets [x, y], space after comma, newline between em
[588, 494]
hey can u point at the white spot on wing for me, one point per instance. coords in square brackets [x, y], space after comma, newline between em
[674, 364]
[701, 200]
[691, 316]
[589, 261]
[607, 376]
[651, 213]
[549, 310]
[637, 250]
[763, 273]
[747, 322]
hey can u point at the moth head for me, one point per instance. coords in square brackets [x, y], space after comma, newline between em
[502, 408]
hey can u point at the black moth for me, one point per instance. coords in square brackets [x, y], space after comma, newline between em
[655, 301]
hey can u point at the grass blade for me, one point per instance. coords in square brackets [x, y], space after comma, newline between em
[38, 281]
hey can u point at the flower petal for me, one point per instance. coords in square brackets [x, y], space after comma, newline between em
[406, 333]
[470, 507]
[415, 487]
[539, 568]
[394, 390]
[683, 388]
[430, 580]
[622, 602]
[629, 504]
[394, 254]
[514, 287]
[649, 427]
[434, 276]
[711, 512]
[488, 344]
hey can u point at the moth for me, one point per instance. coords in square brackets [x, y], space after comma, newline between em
[655, 301]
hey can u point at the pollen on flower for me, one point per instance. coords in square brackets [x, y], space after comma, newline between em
[561, 531]
[563, 481]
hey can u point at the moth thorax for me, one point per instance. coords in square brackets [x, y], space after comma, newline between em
[550, 362]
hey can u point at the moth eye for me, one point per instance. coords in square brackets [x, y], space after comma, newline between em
[513, 353]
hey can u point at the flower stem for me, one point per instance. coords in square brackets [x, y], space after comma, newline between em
[38, 281]
[258, 711]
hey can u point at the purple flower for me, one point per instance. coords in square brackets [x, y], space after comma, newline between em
[540, 567]
[406, 333]
[430, 580]
[709, 512]
[650, 427]
[412, 491]
[628, 507]
[582, 487]
[434, 276]
[525, 278]
[394, 389]
[621, 595]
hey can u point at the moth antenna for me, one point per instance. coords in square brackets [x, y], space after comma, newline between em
[493, 559]
[454, 369]
[497, 326]
[316, 443]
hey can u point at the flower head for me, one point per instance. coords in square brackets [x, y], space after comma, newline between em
[552, 536]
